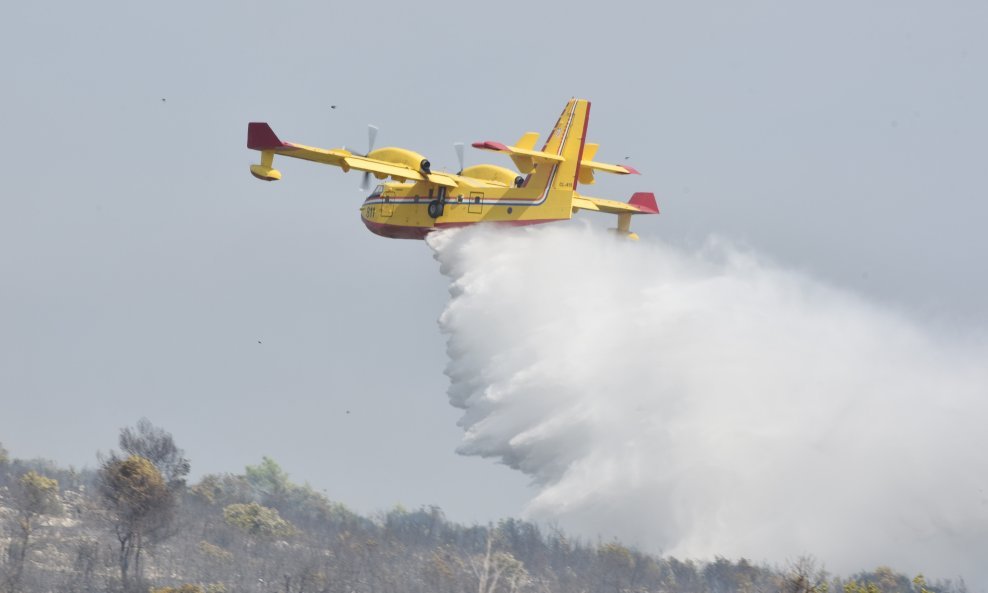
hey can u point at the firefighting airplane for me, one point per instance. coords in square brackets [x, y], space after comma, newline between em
[419, 200]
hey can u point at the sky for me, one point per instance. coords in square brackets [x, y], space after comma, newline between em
[145, 273]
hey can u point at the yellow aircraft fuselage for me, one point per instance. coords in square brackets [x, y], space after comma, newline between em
[420, 201]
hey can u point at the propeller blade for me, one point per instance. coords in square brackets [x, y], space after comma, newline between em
[459, 155]
[371, 137]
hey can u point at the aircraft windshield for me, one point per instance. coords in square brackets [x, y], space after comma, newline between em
[377, 191]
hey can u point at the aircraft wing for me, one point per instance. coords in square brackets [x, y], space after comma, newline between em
[640, 203]
[397, 171]
[261, 137]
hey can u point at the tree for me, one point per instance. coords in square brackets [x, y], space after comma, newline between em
[615, 564]
[498, 568]
[222, 490]
[883, 580]
[919, 584]
[141, 504]
[34, 495]
[4, 464]
[257, 521]
[188, 588]
[269, 481]
[856, 587]
[804, 576]
[440, 569]
[141, 491]
[158, 447]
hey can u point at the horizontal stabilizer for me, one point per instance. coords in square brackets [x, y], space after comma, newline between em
[588, 165]
[640, 203]
[517, 151]
[616, 169]
[522, 154]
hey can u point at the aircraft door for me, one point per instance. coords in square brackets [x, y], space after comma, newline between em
[476, 205]
[388, 206]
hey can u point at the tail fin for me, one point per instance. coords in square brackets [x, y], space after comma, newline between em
[566, 140]
[260, 136]
[645, 202]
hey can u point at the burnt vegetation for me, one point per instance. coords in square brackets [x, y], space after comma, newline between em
[135, 525]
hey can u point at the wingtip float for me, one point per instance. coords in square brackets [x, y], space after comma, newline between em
[418, 200]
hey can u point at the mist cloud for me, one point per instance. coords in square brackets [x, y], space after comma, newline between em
[711, 403]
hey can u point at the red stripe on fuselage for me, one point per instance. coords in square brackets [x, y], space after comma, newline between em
[583, 141]
[395, 231]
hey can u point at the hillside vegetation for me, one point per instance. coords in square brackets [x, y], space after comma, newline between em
[136, 525]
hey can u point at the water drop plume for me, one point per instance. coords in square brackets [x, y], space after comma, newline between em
[710, 402]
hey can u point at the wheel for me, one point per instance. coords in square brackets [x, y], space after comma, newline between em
[435, 209]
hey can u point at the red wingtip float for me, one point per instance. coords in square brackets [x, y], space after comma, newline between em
[418, 200]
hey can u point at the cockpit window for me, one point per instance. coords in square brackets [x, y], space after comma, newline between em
[377, 191]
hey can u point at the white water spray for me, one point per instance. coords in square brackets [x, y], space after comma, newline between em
[709, 403]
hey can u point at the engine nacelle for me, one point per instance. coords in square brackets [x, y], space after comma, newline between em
[402, 156]
[494, 173]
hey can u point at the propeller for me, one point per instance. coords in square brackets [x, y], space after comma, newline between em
[459, 155]
[371, 137]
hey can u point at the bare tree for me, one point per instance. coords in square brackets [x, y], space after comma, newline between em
[498, 568]
[158, 447]
[804, 576]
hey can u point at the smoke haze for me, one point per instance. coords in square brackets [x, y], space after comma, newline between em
[711, 403]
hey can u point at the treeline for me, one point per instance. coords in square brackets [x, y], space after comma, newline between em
[136, 525]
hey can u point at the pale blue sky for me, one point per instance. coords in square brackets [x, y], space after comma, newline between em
[140, 263]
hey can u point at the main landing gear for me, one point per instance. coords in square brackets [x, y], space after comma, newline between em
[435, 209]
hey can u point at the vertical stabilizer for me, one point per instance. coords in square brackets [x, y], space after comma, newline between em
[566, 140]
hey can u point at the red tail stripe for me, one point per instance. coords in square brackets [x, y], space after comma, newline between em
[645, 202]
[260, 136]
